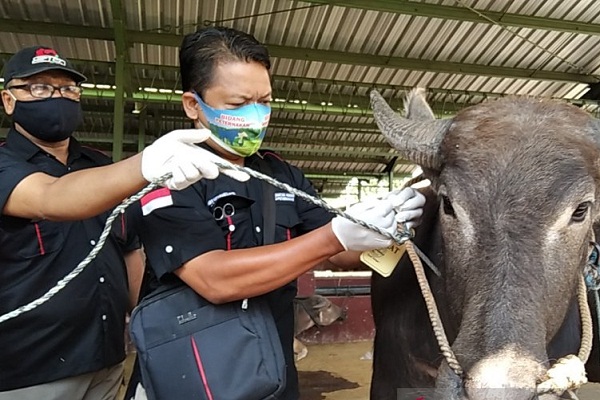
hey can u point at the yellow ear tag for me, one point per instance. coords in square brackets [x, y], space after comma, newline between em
[383, 261]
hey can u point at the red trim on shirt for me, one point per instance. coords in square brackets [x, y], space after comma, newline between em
[155, 194]
[230, 224]
[289, 234]
[39, 238]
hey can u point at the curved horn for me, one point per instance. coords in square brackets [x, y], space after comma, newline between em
[417, 138]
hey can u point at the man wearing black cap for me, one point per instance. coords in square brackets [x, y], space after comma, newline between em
[54, 197]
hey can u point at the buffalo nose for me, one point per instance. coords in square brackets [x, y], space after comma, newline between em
[505, 375]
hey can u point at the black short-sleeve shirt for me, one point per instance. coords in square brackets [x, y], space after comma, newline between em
[176, 227]
[80, 329]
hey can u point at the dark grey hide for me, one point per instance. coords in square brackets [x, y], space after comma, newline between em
[510, 213]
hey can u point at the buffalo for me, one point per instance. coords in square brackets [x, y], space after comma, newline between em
[509, 222]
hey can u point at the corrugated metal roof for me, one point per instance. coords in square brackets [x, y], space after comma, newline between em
[326, 58]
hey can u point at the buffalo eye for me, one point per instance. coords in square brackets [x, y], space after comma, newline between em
[447, 206]
[580, 212]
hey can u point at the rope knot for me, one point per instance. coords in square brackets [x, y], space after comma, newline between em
[567, 374]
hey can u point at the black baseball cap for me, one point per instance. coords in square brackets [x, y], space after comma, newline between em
[33, 60]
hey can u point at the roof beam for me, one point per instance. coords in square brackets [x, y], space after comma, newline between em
[290, 80]
[352, 153]
[363, 110]
[157, 97]
[56, 29]
[329, 158]
[121, 81]
[311, 103]
[339, 175]
[271, 141]
[316, 97]
[301, 101]
[356, 154]
[298, 53]
[414, 64]
[290, 123]
[279, 140]
[319, 126]
[464, 14]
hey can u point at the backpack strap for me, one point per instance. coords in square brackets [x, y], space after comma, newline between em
[268, 203]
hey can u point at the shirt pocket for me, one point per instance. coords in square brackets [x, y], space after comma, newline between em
[286, 221]
[232, 214]
[25, 239]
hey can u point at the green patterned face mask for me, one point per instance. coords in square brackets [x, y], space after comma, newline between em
[239, 131]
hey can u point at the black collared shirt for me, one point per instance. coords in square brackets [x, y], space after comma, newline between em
[80, 329]
[227, 214]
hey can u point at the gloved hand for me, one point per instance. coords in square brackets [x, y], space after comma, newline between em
[176, 153]
[408, 204]
[354, 237]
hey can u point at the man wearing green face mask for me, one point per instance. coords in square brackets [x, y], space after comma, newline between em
[238, 131]
[227, 89]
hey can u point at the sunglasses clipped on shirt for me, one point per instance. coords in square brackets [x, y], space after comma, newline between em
[220, 213]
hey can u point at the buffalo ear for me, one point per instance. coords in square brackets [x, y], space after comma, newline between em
[416, 106]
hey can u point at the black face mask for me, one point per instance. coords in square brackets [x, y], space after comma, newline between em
[51, 120]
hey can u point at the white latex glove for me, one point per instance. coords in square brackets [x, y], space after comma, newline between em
[354, 237]
[408, 204]
[176, 153]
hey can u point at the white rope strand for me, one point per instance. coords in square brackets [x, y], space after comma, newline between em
[400, 238]
[88, 259]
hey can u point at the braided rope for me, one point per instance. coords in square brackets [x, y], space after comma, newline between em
[402, 236]
[432, 310]
[88, 259]
[568, 373]
[587, 329]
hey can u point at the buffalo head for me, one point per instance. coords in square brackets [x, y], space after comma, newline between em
[518, 183]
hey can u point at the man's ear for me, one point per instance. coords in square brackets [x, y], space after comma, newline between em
[190, 106]
[8, 102]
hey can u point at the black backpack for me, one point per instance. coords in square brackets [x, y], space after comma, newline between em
[190, 348]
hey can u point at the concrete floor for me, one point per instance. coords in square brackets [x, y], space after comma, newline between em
[343, 372]
[336, 371]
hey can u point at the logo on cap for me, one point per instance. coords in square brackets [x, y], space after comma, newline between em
[49, 56]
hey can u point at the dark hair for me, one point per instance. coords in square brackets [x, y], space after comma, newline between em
[204, 49]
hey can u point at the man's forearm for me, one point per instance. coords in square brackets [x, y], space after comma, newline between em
[78, 195]
[222, 276]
